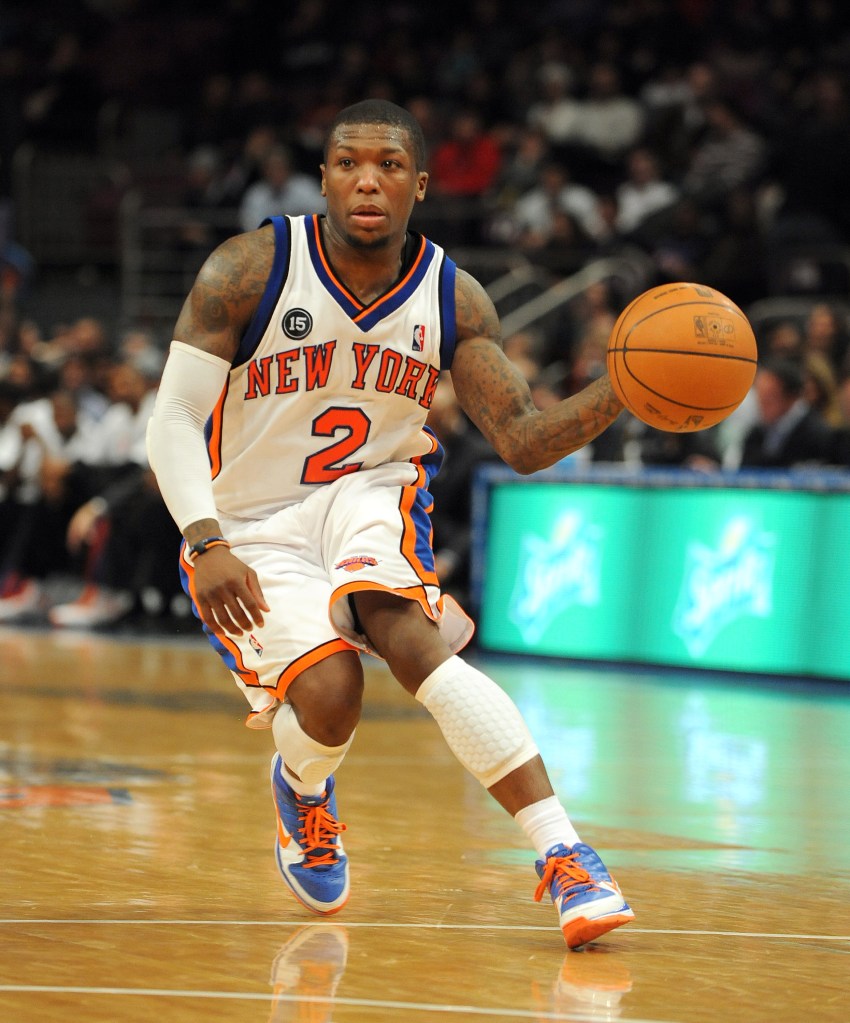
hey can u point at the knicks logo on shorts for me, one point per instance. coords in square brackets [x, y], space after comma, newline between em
[356, 564]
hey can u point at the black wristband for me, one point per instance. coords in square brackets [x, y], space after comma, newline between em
[195, 549]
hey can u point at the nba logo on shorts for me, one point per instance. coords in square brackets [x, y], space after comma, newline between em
[419, 337]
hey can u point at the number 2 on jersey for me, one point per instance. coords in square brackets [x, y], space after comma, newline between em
[328, 465]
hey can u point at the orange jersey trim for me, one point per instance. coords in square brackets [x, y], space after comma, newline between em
[416, 593]
[320, 653]
[312, 657]
[214, 443]
[247, 675]
[365, 310]
[385, 298]
[327, 267]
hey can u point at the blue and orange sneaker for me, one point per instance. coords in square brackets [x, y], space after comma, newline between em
[588, 899]
[308, 848]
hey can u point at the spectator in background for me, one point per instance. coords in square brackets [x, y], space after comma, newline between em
[644, 192]
[610, 121]
[77, 471]
[12, 503]
[429, 114]
[728, 155]
[128, 536]
[207, 199]
[464, 168]
[532, 217]
[76, 377]
[36, 436]
[732, 431]
[840, 451]
[734, 260]
[783, 339]
[280, 190]
[683, 242]
[674, 102]
[556, 112]
[699, 450]
[825, 331]
[789, 431]
[467, 163]
[568, 247]
[820, 387]
[520, 169]
[812, 159]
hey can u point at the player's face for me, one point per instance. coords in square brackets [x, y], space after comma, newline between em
[371, 182]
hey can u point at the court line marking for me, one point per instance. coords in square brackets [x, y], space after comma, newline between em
[370, 1003]
[417, 926]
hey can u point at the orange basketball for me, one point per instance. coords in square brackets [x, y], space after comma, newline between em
[682, 357]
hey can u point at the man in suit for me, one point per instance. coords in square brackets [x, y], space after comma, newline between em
[789, 432]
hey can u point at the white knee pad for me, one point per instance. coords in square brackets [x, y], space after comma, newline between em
[310, 760]
[479, 721]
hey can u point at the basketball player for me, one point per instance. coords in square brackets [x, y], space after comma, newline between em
[288, 440]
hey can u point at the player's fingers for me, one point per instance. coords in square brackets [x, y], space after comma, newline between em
[241, 619]
[224, 616]
[257, 593]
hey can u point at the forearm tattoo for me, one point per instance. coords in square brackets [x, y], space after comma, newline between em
[497, 397]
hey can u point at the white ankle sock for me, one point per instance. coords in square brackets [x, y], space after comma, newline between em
[301, 787]
[546, 823]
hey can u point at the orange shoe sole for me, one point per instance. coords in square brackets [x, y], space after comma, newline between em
[580, 931]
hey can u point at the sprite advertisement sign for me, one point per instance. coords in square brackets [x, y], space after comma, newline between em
[741, 578]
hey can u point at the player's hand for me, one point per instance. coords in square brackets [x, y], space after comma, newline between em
[82, 525]
[227, 592]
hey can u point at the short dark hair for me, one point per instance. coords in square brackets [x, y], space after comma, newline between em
[789, 373]
[381, 111]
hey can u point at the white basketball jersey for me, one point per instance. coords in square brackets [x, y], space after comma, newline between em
[323, 385]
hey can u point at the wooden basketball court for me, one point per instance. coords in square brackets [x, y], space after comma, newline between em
[139, 884]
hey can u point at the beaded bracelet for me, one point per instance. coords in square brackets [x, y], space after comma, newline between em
[201, 546]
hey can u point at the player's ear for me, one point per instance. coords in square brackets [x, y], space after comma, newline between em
[322, 169]
[421, 185]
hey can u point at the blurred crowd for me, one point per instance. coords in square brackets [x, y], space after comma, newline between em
[710, 138]
[85, 538]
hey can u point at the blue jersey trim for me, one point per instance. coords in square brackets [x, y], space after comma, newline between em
[274, 286]
[396, 298]
[423, 505]
[448, 313]
[366, 316]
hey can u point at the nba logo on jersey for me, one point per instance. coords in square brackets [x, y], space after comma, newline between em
[419, 337]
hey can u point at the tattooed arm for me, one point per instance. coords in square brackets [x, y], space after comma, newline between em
[214, 317]
[219, 308]
[226, 294]
[497, 398]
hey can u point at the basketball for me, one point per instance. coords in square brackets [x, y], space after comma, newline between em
[682, 357]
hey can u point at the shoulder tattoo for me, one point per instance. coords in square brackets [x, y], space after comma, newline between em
[475, 313]
[228, 288]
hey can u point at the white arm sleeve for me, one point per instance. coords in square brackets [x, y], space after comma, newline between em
[191, 384]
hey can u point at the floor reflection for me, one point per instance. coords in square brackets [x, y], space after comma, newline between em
[306, 972]
[591, 983]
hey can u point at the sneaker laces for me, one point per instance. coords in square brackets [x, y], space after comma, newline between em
[319, 829]
[566, 872]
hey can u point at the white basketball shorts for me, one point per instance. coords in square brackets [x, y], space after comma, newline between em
[369, 530]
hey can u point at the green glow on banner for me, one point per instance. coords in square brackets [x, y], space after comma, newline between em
[716, 577]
